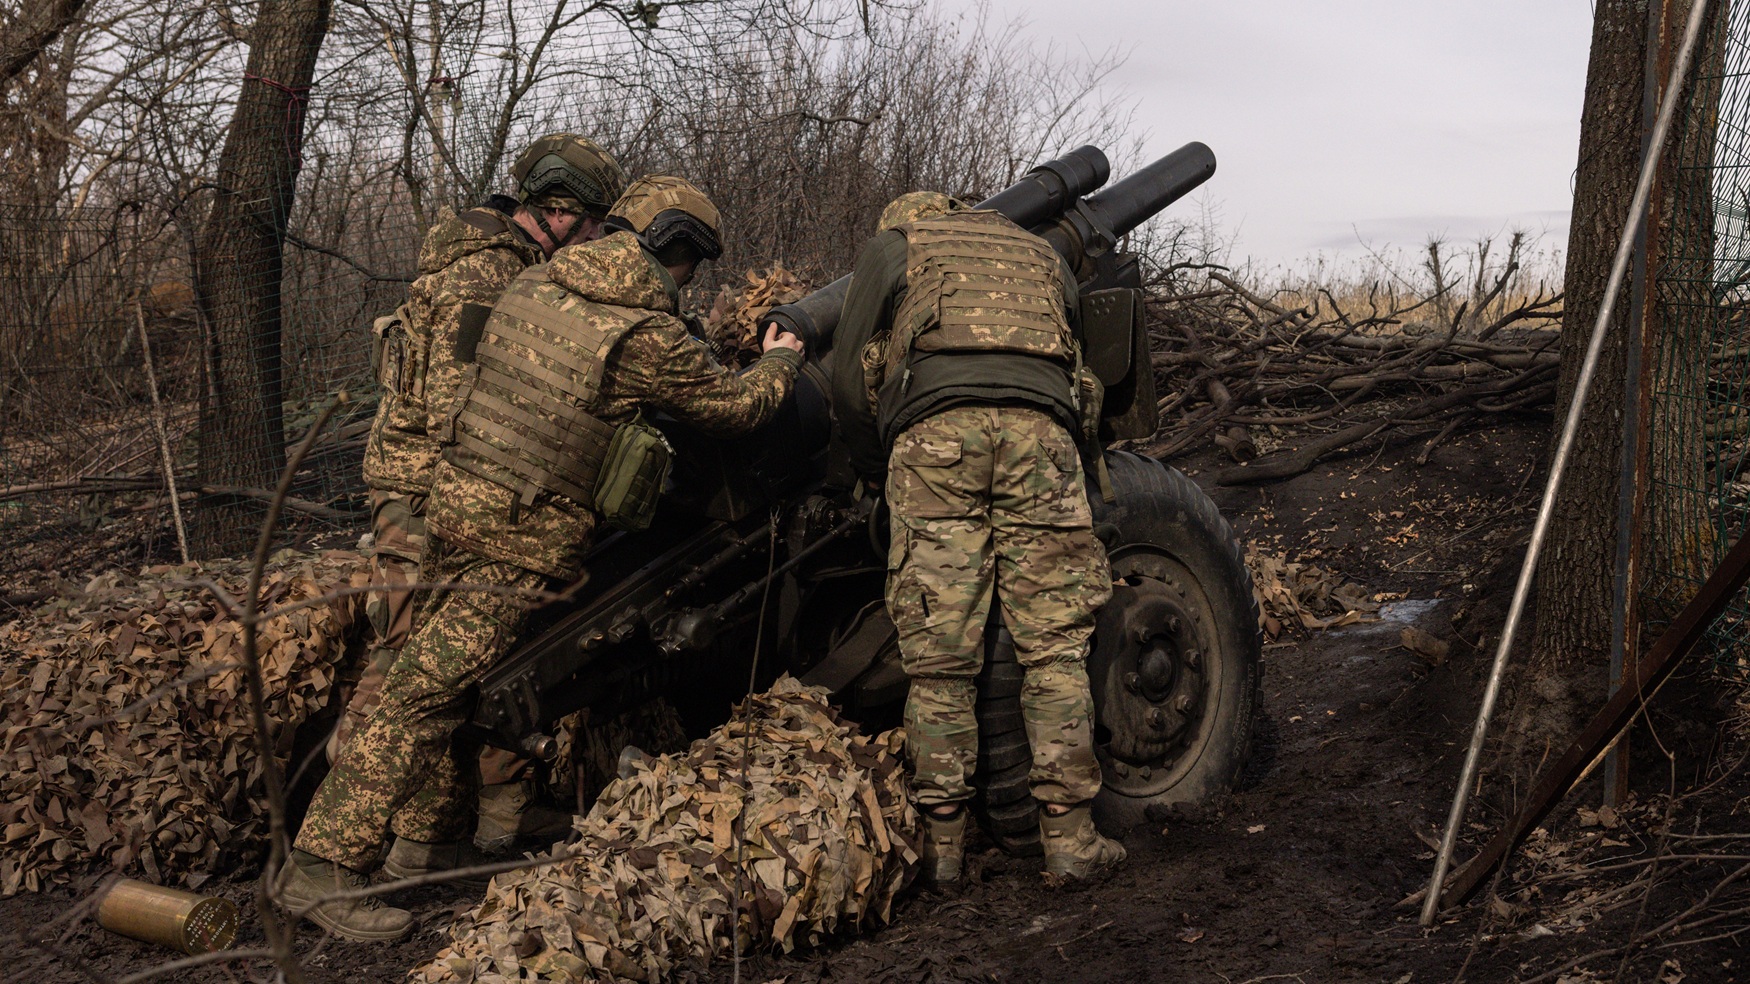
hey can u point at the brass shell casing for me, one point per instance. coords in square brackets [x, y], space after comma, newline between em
[168, 916]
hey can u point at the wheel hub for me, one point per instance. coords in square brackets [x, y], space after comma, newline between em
[1156, 667]
[1147, 675]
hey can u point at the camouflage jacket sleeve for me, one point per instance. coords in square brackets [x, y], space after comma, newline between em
[868, 311]
[477, 278]
[659, 365]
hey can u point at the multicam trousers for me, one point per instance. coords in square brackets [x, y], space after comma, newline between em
[398, 527]
[990, 500]
[406, 770]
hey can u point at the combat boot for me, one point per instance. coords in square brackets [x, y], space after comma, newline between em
[369, 918]
[1073, 848]
[410, 859]
[509, 811]
[944, 848]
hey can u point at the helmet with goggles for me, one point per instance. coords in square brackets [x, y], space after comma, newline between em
[570, 172]
[671, 217]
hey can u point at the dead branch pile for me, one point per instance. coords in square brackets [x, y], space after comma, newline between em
[1641, 885]
[1305, 596]
[127, 734]
[732, 327]
[1238, 369]
[786, 815]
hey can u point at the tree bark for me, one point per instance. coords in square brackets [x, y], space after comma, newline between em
[1678, 543]
[239, 264]
[1574, 586]
[1567, 670]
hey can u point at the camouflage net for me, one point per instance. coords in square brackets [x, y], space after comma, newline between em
[830, 838]
[1290, 593]
[589, 752]
[732, 327]
[127, 730]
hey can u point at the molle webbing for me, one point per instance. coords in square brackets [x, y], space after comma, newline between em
[978, 282]
[523, 424]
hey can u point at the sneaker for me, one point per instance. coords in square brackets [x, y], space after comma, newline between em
[509, 812]
[410, 859]
[944, 848]
[1073, 848]
[366, 919]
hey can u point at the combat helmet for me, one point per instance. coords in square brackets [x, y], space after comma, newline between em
[671, 217]
[568, 171]
[915, 205]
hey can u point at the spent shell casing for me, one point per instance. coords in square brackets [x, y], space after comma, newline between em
[168, 916]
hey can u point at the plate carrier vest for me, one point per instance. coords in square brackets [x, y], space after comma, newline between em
[979, 283]
[521, 422]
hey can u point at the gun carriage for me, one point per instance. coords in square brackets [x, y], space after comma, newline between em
[759, 545]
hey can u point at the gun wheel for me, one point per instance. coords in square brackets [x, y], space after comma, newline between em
[1174, 668]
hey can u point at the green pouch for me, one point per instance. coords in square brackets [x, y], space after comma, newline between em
[1090, 395]
[632, 475]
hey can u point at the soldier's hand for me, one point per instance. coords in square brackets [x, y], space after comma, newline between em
[776, 339]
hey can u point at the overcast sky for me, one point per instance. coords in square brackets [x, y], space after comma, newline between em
[1341, 122]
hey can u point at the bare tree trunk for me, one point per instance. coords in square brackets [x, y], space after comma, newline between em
[1575, 597]
[1678, 541]
[238, 266]
[1574, 586]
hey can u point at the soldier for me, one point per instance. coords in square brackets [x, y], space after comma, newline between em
[549, 443]
[565, 184]
[964, 398]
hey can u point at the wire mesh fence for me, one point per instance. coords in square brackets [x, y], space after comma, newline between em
[1695, 464]
[242, 212]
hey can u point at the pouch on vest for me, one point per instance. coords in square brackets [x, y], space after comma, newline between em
[874, 362]
[1090, 398]
[632, 475]
[389, 350]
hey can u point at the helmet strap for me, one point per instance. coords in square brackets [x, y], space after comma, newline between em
[547, 230]
[541, 221]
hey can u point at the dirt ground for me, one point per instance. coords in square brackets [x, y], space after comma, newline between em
[1299, 875]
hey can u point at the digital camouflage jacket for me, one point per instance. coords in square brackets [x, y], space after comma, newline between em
[466, 259]
[657, 366]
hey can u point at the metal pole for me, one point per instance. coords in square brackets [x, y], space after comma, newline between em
[1625, 621]
[1570, 427]
[163, 433]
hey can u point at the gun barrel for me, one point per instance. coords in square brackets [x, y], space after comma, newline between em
[1047, 190]
[1137, 198]
[1043, 194]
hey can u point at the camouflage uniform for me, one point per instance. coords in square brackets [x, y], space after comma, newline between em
[963, 397]
[465, 259]
[424, 696]
[401, 771]
[990, 500]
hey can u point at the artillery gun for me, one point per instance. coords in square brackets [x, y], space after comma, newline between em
[761, 561]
